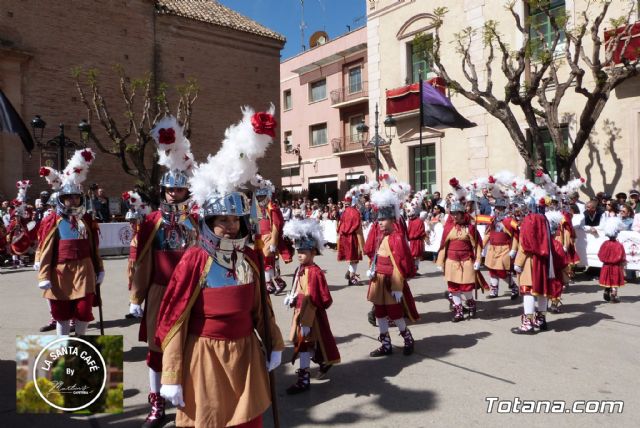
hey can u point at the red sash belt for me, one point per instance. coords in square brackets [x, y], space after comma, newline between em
[384, 265]
[164, 263]
[499, 238]
[459, 250]
[223, 313]
[73, 249]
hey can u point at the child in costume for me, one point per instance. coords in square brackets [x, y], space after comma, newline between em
[613, 258]
[310, 298]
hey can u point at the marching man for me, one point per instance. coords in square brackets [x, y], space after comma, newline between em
[390, 268]
[501, 244]
[160, 242]
[416, 231]
[310, 296]
[70, 267]
[270, 224]
[350, 237]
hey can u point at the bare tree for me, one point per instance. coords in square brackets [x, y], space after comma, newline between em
[540, 72]
[144, 104]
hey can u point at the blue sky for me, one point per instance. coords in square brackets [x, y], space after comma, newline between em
[284, 16]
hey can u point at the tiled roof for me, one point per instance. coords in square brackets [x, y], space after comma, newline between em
[212, 12]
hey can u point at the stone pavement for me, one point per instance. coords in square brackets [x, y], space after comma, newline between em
[589, 353]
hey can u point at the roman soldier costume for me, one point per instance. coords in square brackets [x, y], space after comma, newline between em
[613, 258]
[350, 236]
[501, 246]
[310, 298]
[391, 267]
[69, 265]
[161, 240]
[270, 226]
[216, 314]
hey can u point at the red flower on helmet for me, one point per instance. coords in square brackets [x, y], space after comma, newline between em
[133, 200]
[77, 170]
[524, 188]
[126, 196]
[492, 180]
[514, 184]
[87, 155]
[542, 202]
[539, 173]
[582, 180]
[454, 183]
[167, 136]
[264, 123]
[44, 171]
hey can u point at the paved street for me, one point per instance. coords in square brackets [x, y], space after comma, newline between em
[590, 352]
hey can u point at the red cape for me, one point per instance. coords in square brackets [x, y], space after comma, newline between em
[535, 241]
[401, 255]
[612, 255]
[416, 234]
[321, 299]
[348, 226]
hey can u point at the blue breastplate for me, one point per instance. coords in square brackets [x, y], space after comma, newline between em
[176, 236]
[221, 275]
[65, 231]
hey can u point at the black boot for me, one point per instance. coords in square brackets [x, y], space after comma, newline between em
[458, 313]
[408, 342]
[322, 372]
[473, 308]
[385, 348]
[156, 415]
[302, 384]
[540, 321]
[607, 294]
[526, 326]
[280, 285]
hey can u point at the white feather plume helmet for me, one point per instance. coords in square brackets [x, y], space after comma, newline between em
[554, 218]
[235, 163]
[613, 226]
[174, 149]
[297, 230]
[386, 198]
[76, 171]
[134, 200]
[262, 183]
[52, 176]
[20, 202]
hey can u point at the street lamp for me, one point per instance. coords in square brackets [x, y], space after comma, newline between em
[60, 142]
[377, 140]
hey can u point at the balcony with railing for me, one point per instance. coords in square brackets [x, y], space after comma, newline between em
[354, 93]
[628, 46]
[346, 146]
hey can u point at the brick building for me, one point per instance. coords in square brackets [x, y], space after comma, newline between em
[234, 60]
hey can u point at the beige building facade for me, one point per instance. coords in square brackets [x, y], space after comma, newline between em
[610, 162]
[324, 96]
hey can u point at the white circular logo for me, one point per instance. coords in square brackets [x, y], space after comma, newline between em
[76, 388]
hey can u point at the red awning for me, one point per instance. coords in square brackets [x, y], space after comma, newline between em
[407, 98]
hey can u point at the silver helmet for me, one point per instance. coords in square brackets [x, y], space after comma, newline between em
[175, 178]
[233, 204]
[457, 206]
[69, 189]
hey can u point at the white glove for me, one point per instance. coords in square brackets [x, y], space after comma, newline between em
[566, 250]
[512, 254]
[135, 310]
[397, 295]
[36, 266]
[440, 268]
[517, 269]
[100, 278]
[272, 248]
[173, 393]
[371, 273]
[476, 266]
[484, 251]
[44, 285]
[289, 300]
[276, 359]
[305, 330]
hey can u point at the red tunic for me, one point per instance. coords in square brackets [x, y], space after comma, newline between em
[320, 296]
[613, 258]
[274, 219]
[416, 234]
[560, 262]
[535, 242]
[348, 228]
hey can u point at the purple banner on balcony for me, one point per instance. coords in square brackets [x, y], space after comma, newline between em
[437, 110]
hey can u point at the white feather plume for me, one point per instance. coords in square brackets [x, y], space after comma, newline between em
[386, 198]
[176, 155]
[295, 229]
[235, 163]
[52, 176]
[612, 226]
[78, 167]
